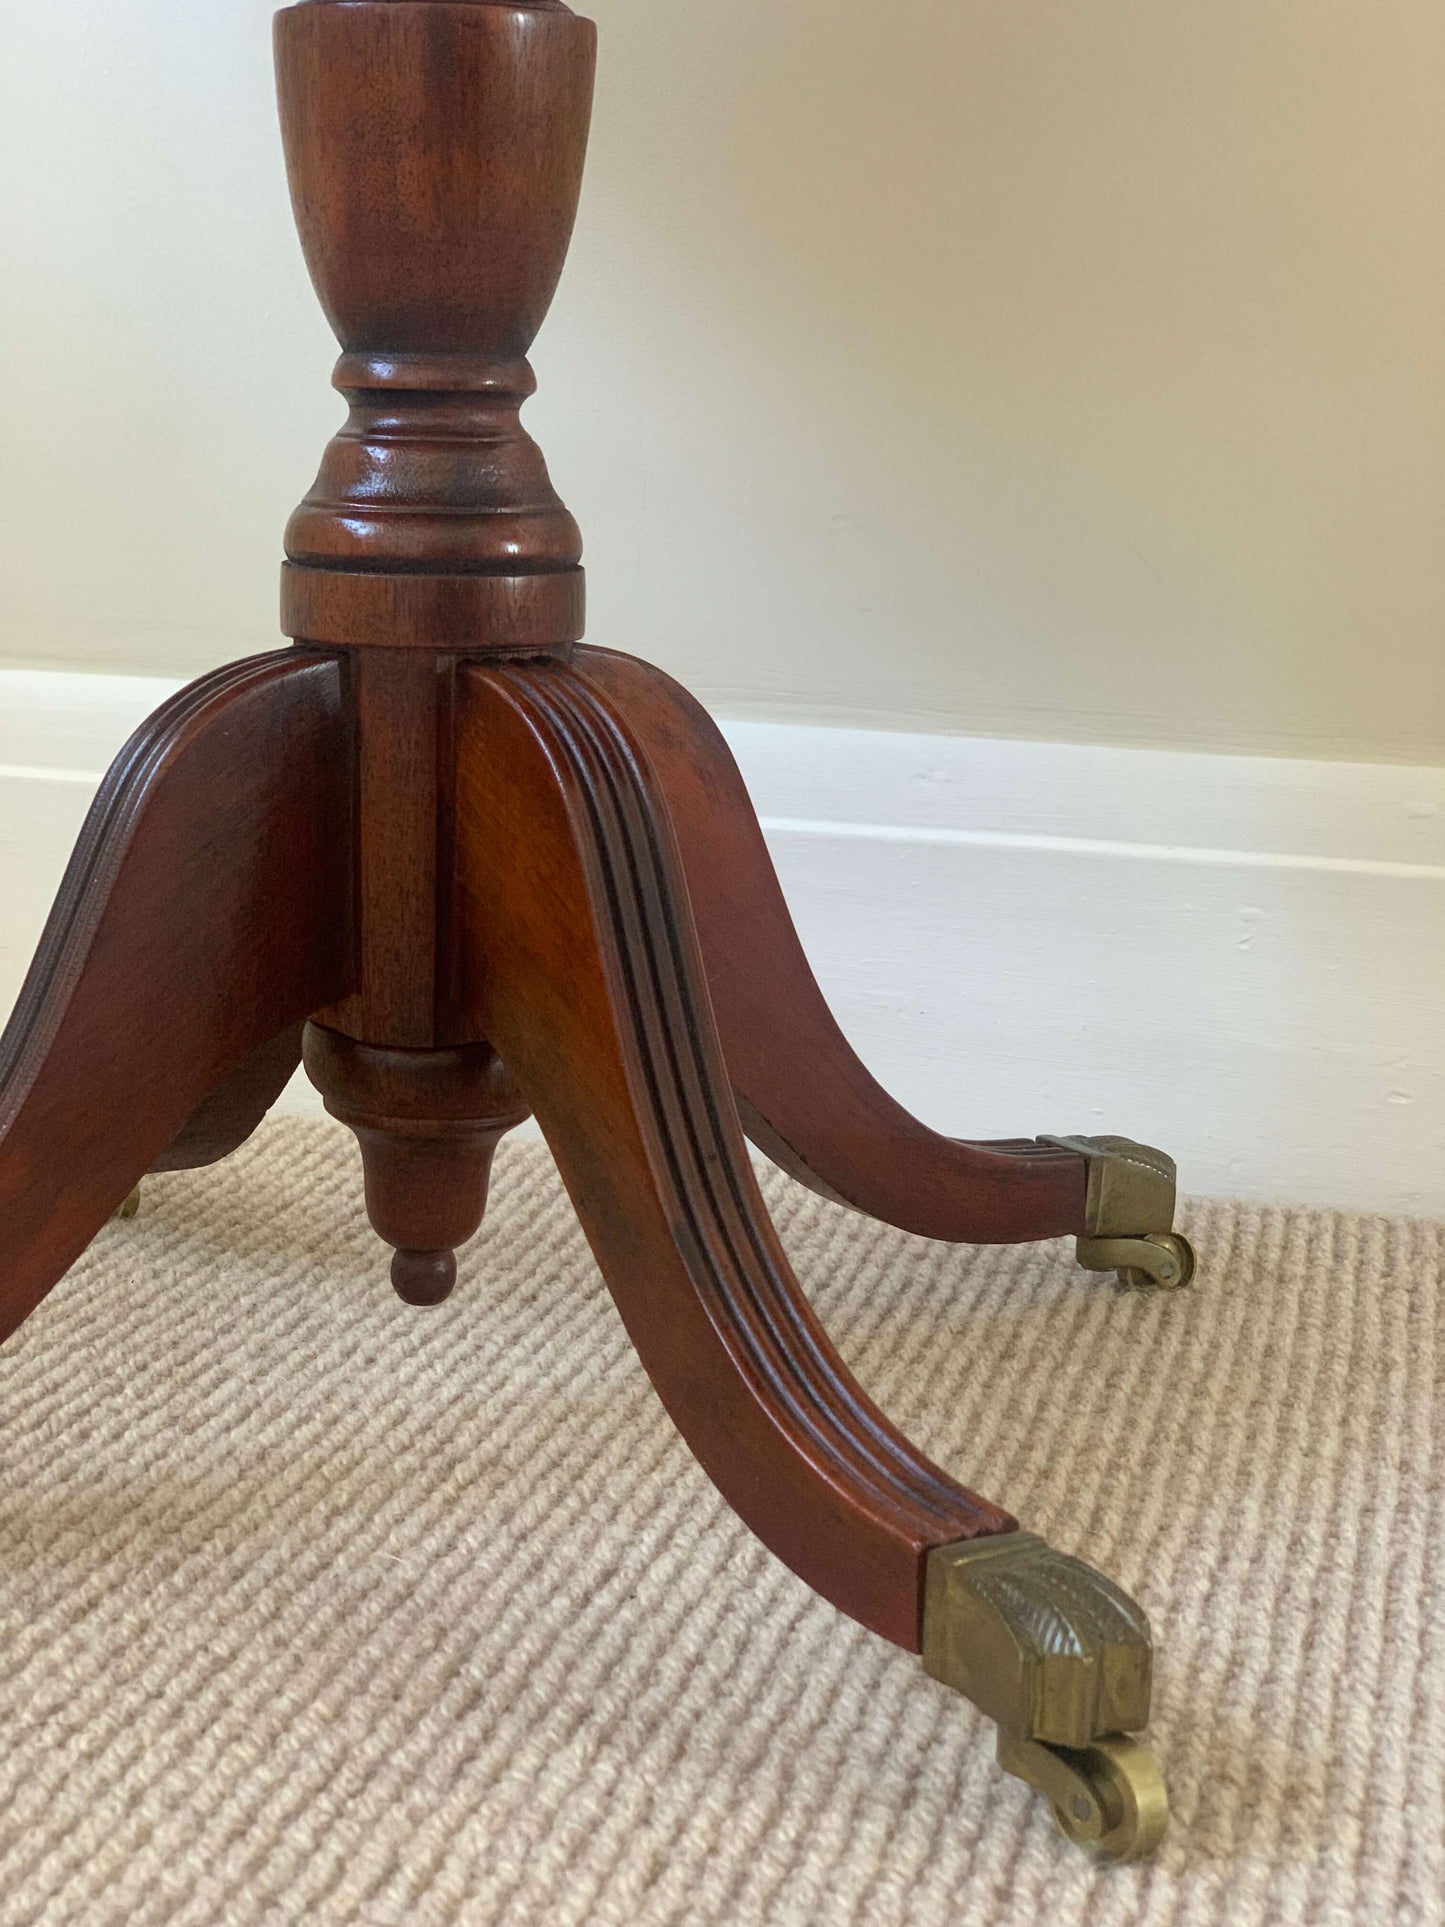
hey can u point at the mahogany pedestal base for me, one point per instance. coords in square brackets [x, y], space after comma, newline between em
[606, 945]
[475, 871]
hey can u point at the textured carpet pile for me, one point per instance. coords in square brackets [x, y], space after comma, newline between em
[316, 1608]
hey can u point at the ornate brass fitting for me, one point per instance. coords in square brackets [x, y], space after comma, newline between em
[1060, 1658]
[1129, 1214]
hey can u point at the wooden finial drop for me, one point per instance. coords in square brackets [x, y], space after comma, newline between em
[423, 1277]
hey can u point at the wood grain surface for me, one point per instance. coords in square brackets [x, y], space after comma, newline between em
[203, 914]
[587, 977]
[804, 1096]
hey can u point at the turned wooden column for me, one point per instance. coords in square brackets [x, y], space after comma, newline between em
[435, 157]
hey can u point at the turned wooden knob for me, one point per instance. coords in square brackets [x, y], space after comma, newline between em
[423, 1277]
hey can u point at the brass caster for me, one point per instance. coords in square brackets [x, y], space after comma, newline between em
[1108, 1798]
[1061, 1660]
[129, 1208]
[1164, 1262]
[1128, 1214]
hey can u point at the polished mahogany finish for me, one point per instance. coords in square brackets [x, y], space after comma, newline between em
[203, 914]
[236, 1107]
[435, 156]
[496, 871]
[429, 1123]
[586, 974]
[804, 1097]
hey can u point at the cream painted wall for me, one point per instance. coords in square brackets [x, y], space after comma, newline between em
[1064, 370]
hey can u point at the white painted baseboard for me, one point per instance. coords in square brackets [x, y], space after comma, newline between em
[1238, 958]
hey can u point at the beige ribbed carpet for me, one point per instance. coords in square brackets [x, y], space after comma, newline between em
[319, 1609]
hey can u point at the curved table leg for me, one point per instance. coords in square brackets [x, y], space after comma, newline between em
[580, 964]
[575, 919]
[203, 914]
[805, 1098]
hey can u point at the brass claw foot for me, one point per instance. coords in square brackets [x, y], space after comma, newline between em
[1128, 1214]
[1061, 1659]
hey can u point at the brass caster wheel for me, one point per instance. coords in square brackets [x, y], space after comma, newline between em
[1121, 1809]
[1107, 1797]
[1060, 1659]
[1172, 1271]
[129, 1208]
[1128, 1209]
[1158, 1261]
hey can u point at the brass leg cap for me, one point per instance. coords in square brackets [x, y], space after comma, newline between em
[130, 1206]
[1128, 1214]
[1061, 1659]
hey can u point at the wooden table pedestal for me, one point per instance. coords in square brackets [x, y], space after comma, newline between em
[476, 871]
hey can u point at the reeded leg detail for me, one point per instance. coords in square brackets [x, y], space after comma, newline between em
[804, 1097]
[587, 979]
[587, 975]
[204, 912]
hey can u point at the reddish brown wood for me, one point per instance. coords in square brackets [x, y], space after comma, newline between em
[236, 1107]
[435, 154]
[429, 1123]
[435, 157]
[471, 614]
[587, 978]
[400, 701]
[804, 1096]
[203, 912]
[466, 873]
